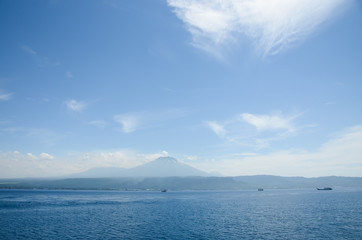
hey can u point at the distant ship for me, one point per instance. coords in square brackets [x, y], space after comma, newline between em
[164, 190]
[325, 188]
[260, 189]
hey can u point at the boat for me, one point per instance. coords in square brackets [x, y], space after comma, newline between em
[260, 189]
[325, 188]
[163, 190]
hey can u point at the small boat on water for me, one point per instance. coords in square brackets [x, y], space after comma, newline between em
[325, 188]
[260, 189]
[163, 190]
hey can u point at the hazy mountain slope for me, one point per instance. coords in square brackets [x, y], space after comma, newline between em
[161, 167]
[111, 172]
[165, 167]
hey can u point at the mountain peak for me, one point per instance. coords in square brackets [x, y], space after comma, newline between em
[167, 160]
[160, 167]
[166, 167]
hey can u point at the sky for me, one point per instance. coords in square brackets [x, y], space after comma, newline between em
[238, 87]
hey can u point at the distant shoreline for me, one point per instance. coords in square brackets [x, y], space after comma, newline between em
[181, 183]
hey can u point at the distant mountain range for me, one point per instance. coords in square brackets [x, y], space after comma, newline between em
[183, 183]
[161, 167]
[168, 173]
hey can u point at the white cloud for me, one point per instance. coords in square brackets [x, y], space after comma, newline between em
[46, 156]
[16, 164]
[271, 25]
[144, 158]
[69, 74]
[218, 129]
[339, 156]
[121, 158]
[269, 122]
[75, 105]
[191, 158]
[129, 122]
[243, 154]
[31, 156]
[5, 96]
[256, 131]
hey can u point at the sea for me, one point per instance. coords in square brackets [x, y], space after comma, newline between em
[246, 214]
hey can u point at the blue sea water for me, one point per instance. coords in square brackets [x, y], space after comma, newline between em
[271, 214]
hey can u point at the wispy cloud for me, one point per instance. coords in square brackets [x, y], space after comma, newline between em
[255, 130]
[271, 25]
[75, 105]
[29, 50]
[5, 96]
[269, 122]
[133, 121]
[339, 156]
[41, 61]
[129, 122]
[217, 128]
[68, 74]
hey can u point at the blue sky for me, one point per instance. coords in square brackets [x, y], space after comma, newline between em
[238, 87]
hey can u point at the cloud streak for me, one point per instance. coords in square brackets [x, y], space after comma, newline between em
[41, 61]
[133, 121]
[271, 25]
[5, 96]
[29, 50]
[75, 105]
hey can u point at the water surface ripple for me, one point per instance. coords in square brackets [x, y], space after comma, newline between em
[272, 214]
